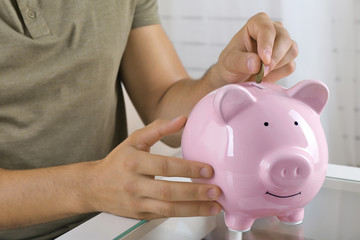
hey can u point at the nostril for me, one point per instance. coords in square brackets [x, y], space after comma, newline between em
[286, 169]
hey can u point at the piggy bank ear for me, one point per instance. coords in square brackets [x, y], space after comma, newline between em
[230, 100]
[313, 93]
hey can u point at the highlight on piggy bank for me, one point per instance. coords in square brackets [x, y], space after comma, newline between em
[266, 145]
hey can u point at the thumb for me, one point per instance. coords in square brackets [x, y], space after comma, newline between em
[144, 138]
[241, 65]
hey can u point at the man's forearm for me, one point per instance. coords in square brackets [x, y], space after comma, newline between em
[183, 95]
[30, 197]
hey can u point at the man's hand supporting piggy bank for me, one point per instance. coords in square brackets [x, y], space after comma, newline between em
[266, 145]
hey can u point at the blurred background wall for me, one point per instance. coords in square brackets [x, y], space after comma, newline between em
[328, 36]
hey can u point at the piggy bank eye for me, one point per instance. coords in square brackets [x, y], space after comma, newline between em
[296, 123]
[266, 124]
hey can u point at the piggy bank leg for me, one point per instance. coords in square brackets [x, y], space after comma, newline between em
[292, 217]
[238, 222]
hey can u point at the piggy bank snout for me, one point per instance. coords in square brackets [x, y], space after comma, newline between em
[287, 170]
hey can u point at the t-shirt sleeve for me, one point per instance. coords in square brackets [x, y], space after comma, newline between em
[146, 13]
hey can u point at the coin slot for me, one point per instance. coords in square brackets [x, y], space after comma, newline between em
[257, 85]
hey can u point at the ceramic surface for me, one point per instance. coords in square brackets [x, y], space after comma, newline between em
[266, 145]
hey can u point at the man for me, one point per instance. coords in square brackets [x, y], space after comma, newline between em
[64, 153]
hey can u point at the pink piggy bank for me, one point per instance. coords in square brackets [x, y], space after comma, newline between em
[266, 145]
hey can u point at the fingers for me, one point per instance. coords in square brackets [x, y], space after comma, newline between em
[173, 191]
[274, 45]
[144, 138]
[245, 63]
[280, 73]
[157, 165]
[180, 209]
[132, 191]
[290, 55]
[269, 40]
[285, 49]
[261, 28]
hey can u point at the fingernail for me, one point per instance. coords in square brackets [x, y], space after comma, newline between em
[214, 210]
[268, 54]
[211, 193]
[250, 64]
[266, 70]
[175, 119]
[205, 172]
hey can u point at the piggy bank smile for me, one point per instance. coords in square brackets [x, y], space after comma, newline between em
[278, 196]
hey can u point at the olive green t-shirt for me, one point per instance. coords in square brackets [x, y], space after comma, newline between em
[60, 95]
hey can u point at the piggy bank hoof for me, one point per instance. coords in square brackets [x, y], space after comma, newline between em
[293, 223]
[293, 217]
[239, 231]
[238, 222]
